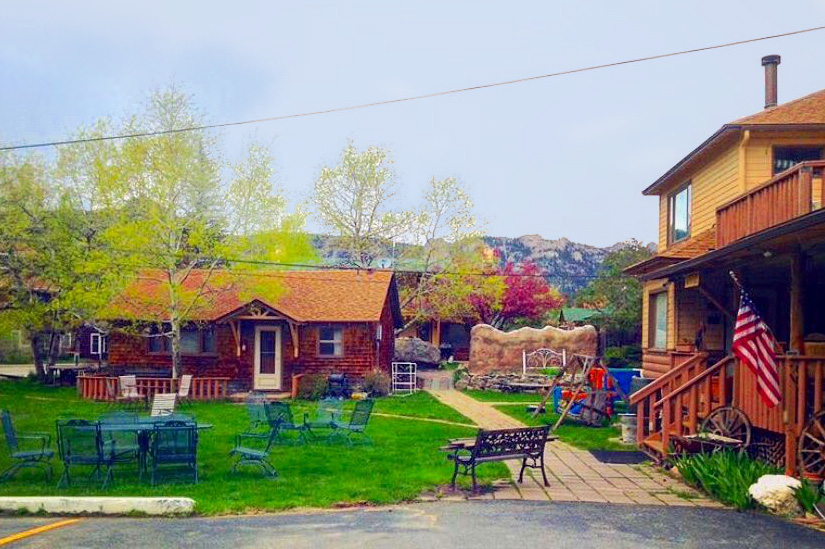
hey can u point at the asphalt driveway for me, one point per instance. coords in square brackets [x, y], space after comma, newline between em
[493, 524]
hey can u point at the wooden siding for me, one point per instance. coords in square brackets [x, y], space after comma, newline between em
[692, 309]
[759, 153]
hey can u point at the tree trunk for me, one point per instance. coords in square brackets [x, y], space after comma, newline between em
[34, 340]
[175, 348]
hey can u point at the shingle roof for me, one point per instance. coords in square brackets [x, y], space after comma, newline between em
[805, 110]
[700, 244]
[303, 296]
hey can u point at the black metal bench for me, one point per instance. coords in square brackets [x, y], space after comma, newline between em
[524, 443]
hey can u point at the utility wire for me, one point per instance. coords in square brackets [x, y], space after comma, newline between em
[403, 99]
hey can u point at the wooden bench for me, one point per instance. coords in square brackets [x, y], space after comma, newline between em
[524, 443]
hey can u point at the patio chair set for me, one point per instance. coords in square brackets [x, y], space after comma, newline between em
[166, 439]
[272, 423]
[125, 393]
[152, 443]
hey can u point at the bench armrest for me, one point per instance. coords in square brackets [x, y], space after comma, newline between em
[44, 438]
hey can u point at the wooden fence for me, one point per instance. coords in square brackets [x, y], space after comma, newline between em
[107, 387]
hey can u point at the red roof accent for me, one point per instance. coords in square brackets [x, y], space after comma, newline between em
[302, 296]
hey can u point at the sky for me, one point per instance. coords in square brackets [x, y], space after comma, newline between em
[560, 157]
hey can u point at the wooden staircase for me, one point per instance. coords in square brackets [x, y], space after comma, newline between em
[676, 403]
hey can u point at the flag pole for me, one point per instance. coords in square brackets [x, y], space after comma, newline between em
[736, 281]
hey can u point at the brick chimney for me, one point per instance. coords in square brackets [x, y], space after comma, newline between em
[771, 64]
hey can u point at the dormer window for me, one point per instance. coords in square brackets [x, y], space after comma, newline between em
[788, 157]
[679, 214]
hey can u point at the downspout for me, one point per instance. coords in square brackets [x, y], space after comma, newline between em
[743, 161]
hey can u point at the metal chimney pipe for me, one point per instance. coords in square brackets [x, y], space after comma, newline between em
[771, 64]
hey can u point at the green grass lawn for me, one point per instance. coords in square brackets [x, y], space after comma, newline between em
[580, 436]
[403, 461]
[496, 396]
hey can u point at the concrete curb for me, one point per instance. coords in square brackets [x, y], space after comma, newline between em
[98, 505]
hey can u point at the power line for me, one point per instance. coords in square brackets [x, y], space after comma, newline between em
[403, 99]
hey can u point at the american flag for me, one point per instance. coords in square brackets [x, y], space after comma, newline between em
[755, 346]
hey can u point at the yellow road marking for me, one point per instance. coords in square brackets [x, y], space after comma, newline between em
[39, 530]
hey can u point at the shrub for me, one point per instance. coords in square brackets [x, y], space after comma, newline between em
[808, 495]
[725, 475]
[626, 356]
[449, 366]
[376, 383]
[312, 386]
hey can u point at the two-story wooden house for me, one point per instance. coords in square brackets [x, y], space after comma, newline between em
[748, 200]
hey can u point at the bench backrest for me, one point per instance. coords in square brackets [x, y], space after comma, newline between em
[504, 442]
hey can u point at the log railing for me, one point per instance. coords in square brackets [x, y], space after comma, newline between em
[794, 192]
[107, 387]
[682, 408]
[648, 420]
[803, 378]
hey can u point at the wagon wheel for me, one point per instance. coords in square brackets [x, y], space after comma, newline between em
[811, 446]
[730, 422]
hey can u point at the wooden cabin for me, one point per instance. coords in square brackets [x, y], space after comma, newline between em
[748, 200]
[258, 330]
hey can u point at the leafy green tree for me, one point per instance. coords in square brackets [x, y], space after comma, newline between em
[51, 274]
[176, 223]
[616, 294]
[354, 200]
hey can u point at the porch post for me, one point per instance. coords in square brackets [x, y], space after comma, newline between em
[797, 335]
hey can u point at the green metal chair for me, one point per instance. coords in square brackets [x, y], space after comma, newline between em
[282, 421]
[356, 426]
[122, 446]
[258, 410]
[175, 444]
[253, 449]
[35, 451]
[329, 411]
[80, 444]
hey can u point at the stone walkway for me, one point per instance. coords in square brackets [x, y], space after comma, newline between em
[575, 475]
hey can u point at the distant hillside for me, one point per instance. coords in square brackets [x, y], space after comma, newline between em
[569, 265]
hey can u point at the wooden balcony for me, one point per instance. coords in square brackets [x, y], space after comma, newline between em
[793, 193]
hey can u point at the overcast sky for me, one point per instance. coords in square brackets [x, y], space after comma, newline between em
[564, 156]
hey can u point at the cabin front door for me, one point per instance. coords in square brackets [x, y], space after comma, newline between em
[267, 358]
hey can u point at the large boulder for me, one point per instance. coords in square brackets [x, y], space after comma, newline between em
[776, 493]
[492, 350]
[412, 349]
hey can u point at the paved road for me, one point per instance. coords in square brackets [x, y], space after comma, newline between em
[494, 524]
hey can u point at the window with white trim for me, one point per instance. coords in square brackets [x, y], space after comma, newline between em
[97, 344]
[658, 320]
[679, 214]
[330, 341]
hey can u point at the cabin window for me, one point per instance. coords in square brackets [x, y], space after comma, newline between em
[679, 214]
[97, 344]
[788, 157]
[658, 320]
[330, 341]
[192, 342]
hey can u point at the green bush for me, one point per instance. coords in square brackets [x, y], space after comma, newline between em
[376, 383]
[626, 356]
[808, 495]
[449, 366]
[312, 386]
[725, 475]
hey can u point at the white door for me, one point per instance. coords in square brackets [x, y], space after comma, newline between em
[267, 357]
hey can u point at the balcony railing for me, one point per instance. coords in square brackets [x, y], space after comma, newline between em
[792, 193]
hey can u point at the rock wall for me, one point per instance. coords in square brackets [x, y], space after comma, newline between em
[492, 350]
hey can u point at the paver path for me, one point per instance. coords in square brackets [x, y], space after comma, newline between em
[575, 475]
